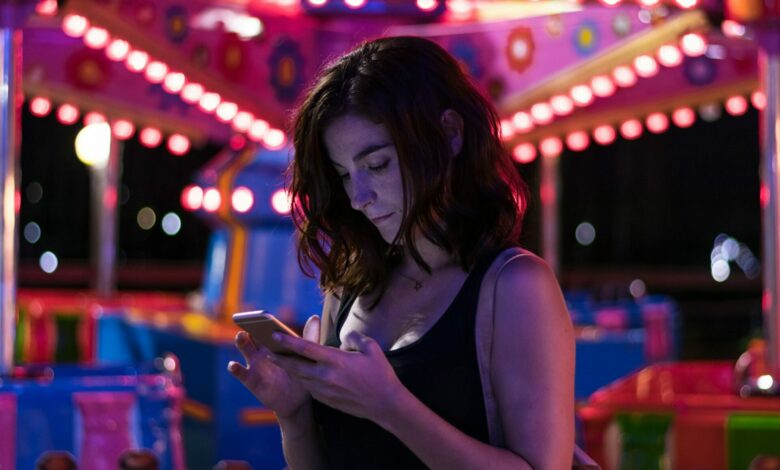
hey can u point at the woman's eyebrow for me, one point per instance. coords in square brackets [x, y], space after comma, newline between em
[364, 152]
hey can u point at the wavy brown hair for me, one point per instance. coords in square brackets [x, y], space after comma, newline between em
[464, 203]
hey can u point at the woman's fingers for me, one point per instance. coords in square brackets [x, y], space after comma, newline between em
[245, 345]
[238, 371]
[306, 348]
[311, 331]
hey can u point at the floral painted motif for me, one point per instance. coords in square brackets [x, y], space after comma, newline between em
[286, 66]
[233, 56]
[586, 38]
[553, 25]
[88, 69]
[621, 25]
[176, 23]
[700, 70]
[520, 49]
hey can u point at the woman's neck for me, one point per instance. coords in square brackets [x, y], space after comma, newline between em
[434, 256]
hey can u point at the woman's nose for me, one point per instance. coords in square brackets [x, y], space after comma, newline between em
[362, 193]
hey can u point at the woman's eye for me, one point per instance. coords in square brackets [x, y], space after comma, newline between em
[379, 167]
[344, 177]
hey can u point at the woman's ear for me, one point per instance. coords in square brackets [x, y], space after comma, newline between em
[452, 123]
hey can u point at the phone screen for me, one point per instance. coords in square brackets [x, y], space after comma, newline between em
[260, 326]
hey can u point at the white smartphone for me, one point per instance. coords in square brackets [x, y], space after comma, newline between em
[261, 325]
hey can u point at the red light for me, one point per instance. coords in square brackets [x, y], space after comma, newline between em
[211, 200]
[578, 141]
[427, 5]
[693, 44]
[657, 123]
[123, 129]
[192, 197]
[736, 105]
[686, 4]
[281, 202]
[117, 50]
[602, 86]
[226, 111]
[645, 66]
[631, 129]
[242, 199]
[507, 129]
[174, 82]
[178, 144]
[40, 106]
[669, 55]
[136, 60]
[758, 99]
[46, 7]
[763, 195]
[237, 142]
[624, 76]
[150, 137]
[274, 139]
[683, 117]
[582, 95]
[353, 4]
[156, 71]
[75, 25]
[317, 3]
[551, 147]
[94, 118]
[209, 102]
[96, 38]
[67, 114]
[524, 153]
[258, 130]
[604, 134]
[523, 122]
[191, 93]
[542, 113]
[561, 105]
[242, 121]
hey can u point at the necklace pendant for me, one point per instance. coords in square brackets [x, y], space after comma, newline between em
[417, 285]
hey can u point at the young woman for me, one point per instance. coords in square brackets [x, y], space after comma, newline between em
[441, 343]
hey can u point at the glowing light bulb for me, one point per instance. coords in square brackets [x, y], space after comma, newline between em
[192, 197]
[631, 129]
[123, 129]
[354, 4]
[542, 113]
[683, 117]
[427, 5]
[156, 71]
[604, 134]
[226, 111]
[523, 122]
[211, 200]
[758, 99]
[507, 129]
[242, 121]
[68, 114]
[209, 102]
[602, 86]
[117, 50]
[551, 147]
[136, 60]
[645, 66]
[94, 117]
[578, 141]
[174, 82]
[657, 123]
[96, 38]
[178, 144]
[317, 3]
[274, 139]
[150, 137]
[561, 105]
[281, 202]
[242, 199]
[736, 105]
[524, 153]
[624, 76]
[40, 106]
[693, 44]
[258, 129]
[582, 95]
[75, 25]
[669, 55]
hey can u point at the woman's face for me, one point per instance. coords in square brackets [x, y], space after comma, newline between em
[364, 156]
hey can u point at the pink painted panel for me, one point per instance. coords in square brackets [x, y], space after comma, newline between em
[8, 434]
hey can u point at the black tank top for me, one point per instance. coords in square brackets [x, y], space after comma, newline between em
[440, 369]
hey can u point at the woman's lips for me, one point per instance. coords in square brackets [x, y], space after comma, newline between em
[380, 219]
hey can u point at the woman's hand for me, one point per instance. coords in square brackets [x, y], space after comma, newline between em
[356, 379]
[271, 384]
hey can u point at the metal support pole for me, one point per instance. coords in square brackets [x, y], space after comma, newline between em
[105, 194]
[10, 118]
[549, 189]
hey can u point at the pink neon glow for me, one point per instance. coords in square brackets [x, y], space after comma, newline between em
[123, 129]
[242, 199]
[561, 105]
[524, 153]
[610, 3]
[686, 4]
[523, 122]
[683, 117]
[117, 50]
[578, 141]
[96, 38]
[602, 86]
[507, 129]
[94, 117]
[150, 137]
[156, 71]
[631, 129]
[242, 121]
[645, 66]
[173, 82]
[354, 4]
[763, 195]
[75, 25]
[669, 55]
[136, 60]
[736, 105]
[178, 144]
[624, 76]
[281, 202]
[192, 197]
[693, 44]
[258, 129]
[758, 99]
[211, 200]
[46, 7]
[191, 93]
[542, 113]
[427, 5]
[582, 95]
[317, 3]
[460, 7]
[648, 3]
[657, 123]
[274, 139]
[67, 113]
[209, 101]
[604, 134]
[551, 147]
[40, 106]
[226, 111]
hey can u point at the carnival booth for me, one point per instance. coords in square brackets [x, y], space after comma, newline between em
[180, 73]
